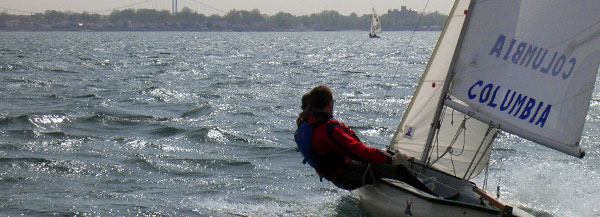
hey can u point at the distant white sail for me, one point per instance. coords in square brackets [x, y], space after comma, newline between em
[375, 23]
[533, 73]
[412, 133]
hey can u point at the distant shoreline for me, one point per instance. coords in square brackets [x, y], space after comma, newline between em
[237, 21]
[208, 31]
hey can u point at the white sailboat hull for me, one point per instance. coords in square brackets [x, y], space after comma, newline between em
[395, 198]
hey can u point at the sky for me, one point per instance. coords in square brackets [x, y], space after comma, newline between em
[209, 7]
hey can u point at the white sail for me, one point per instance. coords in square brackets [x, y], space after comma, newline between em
[467, 146]
[375, 23]
[533, 73]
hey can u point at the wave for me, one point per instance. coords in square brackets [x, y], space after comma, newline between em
[120, 118]
[84, 58]
[12, 179]
[206, 95]
[211, 163]
[12, 66]
[36, 126]
[87, 96]
[352, 72]
[21, 119]
[56, 134]
[265, 152]
[63, 71]
[167, 131]
[187, 166]
[24, 160]
[197, 112]
[244, 114]
[165, 94]
[215, 135]
[9, 147]
[504, 150]
[22, 133]
[120, 181]
[206, 134]
[36, 83]
[274, 149]
[37, 164]
[199, 134]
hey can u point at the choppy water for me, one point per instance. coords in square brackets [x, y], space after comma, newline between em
[186, 124]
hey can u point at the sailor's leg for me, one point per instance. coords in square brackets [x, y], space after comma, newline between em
[403, 174]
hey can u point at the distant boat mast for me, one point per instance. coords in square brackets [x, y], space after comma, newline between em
[174, 7]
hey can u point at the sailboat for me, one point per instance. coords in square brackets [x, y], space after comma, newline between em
[375, 25]
[512, 66]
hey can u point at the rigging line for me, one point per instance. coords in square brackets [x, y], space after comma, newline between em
[437, 137]
[437, 144]
[450, 148]
[405, 49]
[416, 26]
[485, 180]
[125, 6]
[464, 129]
[485, 151]
[453, 167]
[475, 155]
[369, 170]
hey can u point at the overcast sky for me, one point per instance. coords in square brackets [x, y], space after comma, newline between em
[270, 7]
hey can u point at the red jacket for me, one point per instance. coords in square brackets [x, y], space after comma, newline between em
[334, 140]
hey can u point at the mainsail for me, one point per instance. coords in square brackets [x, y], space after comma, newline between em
[375, 23]
[533, 74]
[457, 145]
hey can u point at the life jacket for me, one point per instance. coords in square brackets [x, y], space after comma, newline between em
[304, 137]
[324, 165]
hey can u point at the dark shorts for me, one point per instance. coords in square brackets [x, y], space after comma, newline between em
[358, 174]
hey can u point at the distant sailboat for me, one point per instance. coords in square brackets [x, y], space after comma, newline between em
[498, 66]
[375, 25]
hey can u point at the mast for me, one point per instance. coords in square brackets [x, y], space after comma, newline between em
[372, 19]
[436, 118]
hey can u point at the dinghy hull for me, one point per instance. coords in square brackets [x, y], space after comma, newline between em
[395, 198]
[389, 197]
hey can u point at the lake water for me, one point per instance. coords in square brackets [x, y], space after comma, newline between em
[201, 123]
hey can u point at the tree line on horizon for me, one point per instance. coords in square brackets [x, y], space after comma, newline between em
[234, 20]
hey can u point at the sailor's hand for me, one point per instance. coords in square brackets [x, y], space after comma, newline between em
[400, 158]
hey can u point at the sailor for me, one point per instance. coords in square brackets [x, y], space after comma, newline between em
[304, 114]
[338, 155]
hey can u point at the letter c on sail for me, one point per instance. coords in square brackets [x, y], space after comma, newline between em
[572, 61]
[472, 96]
